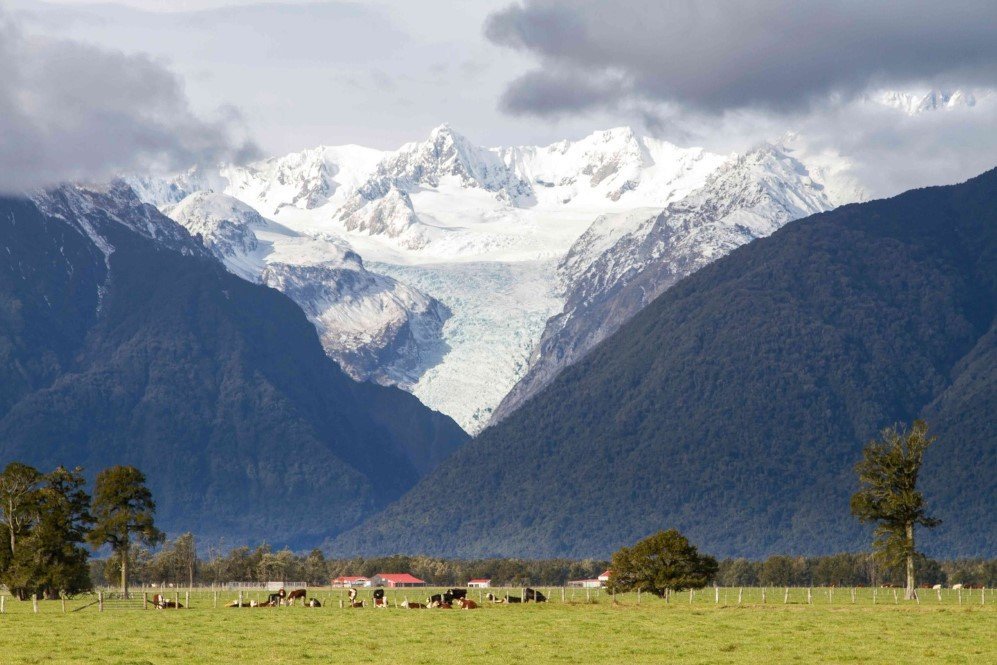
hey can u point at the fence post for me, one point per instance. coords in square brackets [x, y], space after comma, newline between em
[763, 595]
[240, 597]
[587, 594]
[145, 600]
[176, 600]
[895, 601]
[853, 595]
[960, 596]
[740, 593]
[63, 599]
[874, 595]
[810, 596]
[34, 602]
[100, 601]
[214, 601]
[716, 595]
[187, 598]
[562, 594]
[785, 600]
[2, 599]
[983, 596]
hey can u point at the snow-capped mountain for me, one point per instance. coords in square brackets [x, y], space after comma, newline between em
[916, 103]
[375, 327]
[466, 251]
[625, 260]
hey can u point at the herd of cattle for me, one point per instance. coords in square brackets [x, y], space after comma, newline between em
[450, 598]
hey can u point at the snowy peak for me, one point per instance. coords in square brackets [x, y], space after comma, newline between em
[224, 225]
[916, 103]
[391, 215]
[445, 155]
[306, 180]
[92, 208]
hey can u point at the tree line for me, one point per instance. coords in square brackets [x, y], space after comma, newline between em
[177, 562]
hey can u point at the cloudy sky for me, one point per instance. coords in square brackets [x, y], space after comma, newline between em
[87, 89]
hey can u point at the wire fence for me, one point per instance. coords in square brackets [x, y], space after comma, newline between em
[334, 598]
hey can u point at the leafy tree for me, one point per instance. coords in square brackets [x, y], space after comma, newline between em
[124, 511]
[660, 563]
[889, 496]
[19, 494]
[18, 501]
[55, 546]
[315, 568]
[185, 553]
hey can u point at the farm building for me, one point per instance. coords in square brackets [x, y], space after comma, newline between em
[396, 580]
[604, 578]
[585, 584]
[347, 581]
[479, 583]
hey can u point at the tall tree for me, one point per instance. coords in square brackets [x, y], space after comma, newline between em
[124, 511]
[56, 544]
[889, 496]
[185, 552]
[18, 501]
[661, 563]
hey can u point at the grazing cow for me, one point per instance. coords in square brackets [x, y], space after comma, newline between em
[457, 593]
[297, 594]
[535, 596]
[313, 602]
[379, 599]
[466, 604]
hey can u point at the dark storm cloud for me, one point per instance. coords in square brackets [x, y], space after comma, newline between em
[715, 56]
[70, 111]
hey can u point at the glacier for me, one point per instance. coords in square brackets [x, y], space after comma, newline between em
[439, 266]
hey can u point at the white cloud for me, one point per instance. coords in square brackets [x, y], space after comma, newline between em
[70, 111]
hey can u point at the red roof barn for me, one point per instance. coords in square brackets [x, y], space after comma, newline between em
[396, 580]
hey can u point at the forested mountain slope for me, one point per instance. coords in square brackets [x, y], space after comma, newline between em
[735, 406]
[122, 341]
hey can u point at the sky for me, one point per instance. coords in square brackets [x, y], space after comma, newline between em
[91, 89]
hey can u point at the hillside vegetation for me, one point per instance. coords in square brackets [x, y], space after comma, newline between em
[735, 406]
[218, 389]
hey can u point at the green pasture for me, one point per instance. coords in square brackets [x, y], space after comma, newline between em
[821, 627]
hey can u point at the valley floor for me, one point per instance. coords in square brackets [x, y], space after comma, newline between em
[832, 629]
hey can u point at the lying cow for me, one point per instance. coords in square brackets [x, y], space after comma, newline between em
[161, 603]
[532, 595]
[412, 606]
[492, 598]
[466, 604]
[313, 602]
[379, 599]
[297, 594]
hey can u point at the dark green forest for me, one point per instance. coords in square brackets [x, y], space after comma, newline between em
[217, 388]
[736, 405]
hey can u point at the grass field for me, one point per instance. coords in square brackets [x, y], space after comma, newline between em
[831, 629]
